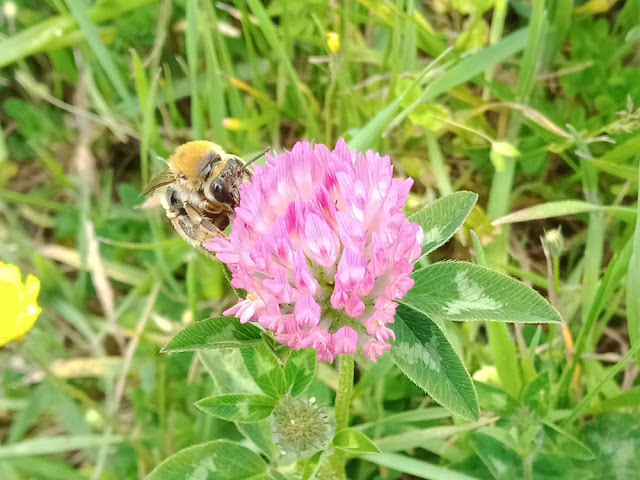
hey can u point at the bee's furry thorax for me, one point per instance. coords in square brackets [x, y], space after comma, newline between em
[187, 161]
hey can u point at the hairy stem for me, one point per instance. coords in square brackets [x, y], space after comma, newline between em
[343, 402]
[345, 389]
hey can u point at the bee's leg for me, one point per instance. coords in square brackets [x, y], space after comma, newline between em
[197, 217]
[216, 208]
[193, 233]
[218, 213]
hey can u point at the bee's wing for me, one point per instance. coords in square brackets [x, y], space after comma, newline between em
[160, 180]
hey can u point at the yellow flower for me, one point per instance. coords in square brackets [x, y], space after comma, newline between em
[487, 374]
[333, 41]
[19, 301]
[232, 124]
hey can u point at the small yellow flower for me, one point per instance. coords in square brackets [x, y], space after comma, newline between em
[19, 302]
[487, 374]
[232, 124]
[333, 41]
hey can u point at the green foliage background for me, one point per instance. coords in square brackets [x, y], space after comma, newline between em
[526, 103]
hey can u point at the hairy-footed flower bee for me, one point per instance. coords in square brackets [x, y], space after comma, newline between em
[202, 188]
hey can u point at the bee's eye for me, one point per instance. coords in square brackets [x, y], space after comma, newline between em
[206, 167]
[206, 170]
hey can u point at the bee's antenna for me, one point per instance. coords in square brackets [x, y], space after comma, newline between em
[260, 155]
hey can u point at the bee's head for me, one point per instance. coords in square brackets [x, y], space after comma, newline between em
[224, 184]
[194, 163]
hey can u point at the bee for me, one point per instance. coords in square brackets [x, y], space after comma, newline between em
[202, 189]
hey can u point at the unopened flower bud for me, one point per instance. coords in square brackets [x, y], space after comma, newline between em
[554, 242]
[301, 427]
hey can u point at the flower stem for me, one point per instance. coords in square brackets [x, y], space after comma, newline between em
[345, 389]
[343, 402]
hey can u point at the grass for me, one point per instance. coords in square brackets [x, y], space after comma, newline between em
[92, 99]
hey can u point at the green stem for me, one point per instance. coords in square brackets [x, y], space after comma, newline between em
[502, 183]
[345, 389]
[528, 466]
[343, 402]
[497, 27]
[438, 165]
[612, 372]
[504, 351]
[556, 274]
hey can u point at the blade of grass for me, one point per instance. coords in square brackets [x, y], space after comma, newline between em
[162, 29]
[367, 135]
[44, 468]
[60, 444]
[39, 37]
[504, 350]
[82, 16]
[417, 415]
[626, 172]
[417, 437]
[75, 38]
[104, 11]
[34, 200]
[118, 390]
[146, 95]
[560, 20]
[252, 55]
[127, 274]
[160, 245]
[438, 165]
[34, 40]
[502, 182]
[268, 29]
[8, 472]
[116, 123]
[412, 466]
[613, 371]
[468, 68]
[474, 65]
[616, 270]
[622, 152]
[388, 12]
[562, 208]
[170, 98]
[536, 279]
[627, 399]
[192, 35]
[633, 287]
[495, 33]
[596, 228]
[4, 153]
[38, 401]
[217, 108]
[409, 50]
[236, 105]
